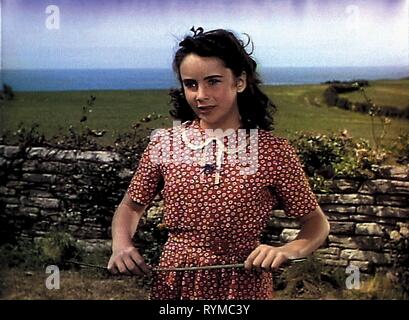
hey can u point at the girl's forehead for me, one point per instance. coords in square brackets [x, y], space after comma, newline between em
[193, 64]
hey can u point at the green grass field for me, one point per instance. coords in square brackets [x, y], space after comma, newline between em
[300, 108]
[384, 93]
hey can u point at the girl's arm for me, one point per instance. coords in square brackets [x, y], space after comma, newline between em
[125, 257]
[314, 230]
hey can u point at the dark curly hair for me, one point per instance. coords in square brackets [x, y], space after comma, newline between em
[256, 109]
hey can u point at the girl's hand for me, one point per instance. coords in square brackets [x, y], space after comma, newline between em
[128, 261]
[267, 258]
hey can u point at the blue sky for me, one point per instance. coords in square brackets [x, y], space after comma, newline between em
[137, 34]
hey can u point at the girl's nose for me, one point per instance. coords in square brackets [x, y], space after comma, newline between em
[201, 93]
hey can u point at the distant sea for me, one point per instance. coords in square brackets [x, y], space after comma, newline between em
[126, 79]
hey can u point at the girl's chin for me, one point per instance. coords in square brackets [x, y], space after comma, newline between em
[205, 112]
[210, 118]
[207, 119]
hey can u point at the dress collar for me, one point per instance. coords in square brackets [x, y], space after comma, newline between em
[196, 138]
[195, 124]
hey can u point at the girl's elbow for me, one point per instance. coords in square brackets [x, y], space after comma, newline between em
[327, 228]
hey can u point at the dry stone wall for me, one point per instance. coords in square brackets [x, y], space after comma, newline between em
[47, 189]
[362, 215]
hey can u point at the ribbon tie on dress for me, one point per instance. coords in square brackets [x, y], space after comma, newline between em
[221, 149]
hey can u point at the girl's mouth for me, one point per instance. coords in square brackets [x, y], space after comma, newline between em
[205, 109]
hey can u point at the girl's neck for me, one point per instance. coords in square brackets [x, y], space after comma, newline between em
[227, 126]
[234, 123]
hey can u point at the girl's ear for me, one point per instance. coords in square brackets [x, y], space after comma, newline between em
[242, 82]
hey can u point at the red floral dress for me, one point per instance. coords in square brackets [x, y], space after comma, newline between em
[217, 205]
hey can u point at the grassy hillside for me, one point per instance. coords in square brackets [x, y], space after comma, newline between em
[114, 111]
[300, 108]
[384, 93]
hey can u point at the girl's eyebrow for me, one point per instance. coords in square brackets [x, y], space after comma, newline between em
[213, 76]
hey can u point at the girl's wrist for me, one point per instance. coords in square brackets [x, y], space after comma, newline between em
[292, 251]
[120, 246]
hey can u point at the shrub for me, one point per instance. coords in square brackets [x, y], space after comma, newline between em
[54, 248]
[377, 287]
[401, 148]
[23, 254]
[400, 255]
[28, 137]
[334, 155]
[7, 93]
[58, 247]
[330, 96]
[309, 279]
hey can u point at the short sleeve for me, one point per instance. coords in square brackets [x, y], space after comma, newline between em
[145, 183]
[290, 183]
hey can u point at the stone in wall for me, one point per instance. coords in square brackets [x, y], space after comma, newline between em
[283, 223]
[337, 216]
[392, 200]
[336, 208]
[288, 235]
[37, 193]
[369, 229]
[363, 266]
[345, 199]
[342, 227]
[9, 152]
[356, 242]
[17, 184]
[329, 251]
[51, 154]
[385, 186]
[279, 214]
[370, 256]
[338, 212]
[7, 191]
[126, 174]
[48, 167]
[335, 263]
[394, 172]
[326, 256]
[384, 211]
[29, 211]
[10, 200]
[39, 178]
[343, 185]
[374, 219]
[71, 155]
[98, 156]
[48, 203]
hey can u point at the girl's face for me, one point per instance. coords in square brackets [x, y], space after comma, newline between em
[211, 90]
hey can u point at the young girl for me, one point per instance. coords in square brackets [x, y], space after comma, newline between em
[217, 198]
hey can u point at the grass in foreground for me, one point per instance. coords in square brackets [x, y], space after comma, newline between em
[19, 284]
[23, 276]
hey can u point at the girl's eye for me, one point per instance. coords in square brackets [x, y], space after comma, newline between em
[190, 84]
[213, 81]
